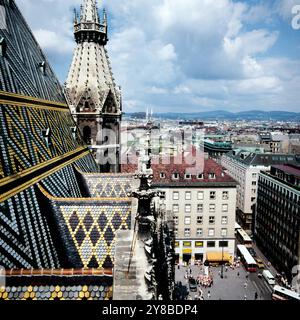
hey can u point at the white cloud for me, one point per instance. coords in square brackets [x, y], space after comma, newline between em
[54, 41]
[284, 8]
[177, 55]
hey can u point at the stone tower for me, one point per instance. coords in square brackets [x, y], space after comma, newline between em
[93, 97]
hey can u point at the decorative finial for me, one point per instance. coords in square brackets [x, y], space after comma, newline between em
[75, 16]
[104, 17]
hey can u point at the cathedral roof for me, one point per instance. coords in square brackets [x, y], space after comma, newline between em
[43, 160]
[57, 284]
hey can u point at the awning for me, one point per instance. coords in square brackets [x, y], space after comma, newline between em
[217, 256]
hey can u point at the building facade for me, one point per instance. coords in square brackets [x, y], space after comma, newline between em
[203, 207]
[90, 89]
[277, 218]
[244, 167]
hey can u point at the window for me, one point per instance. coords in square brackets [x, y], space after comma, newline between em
[176, 232]
[187, 208]
[176, 220]
[200, 176]
[175, 208]
[211, 232]
[187, 243]
[254, 175]
[212, 208]
[223, 244]
[199, 220]
[211, 244]
[188, 176]
[224, 232]
[187, 220]
[224, 220]
[254, 183]
[225, 195]
[199, 232]
[200, 207]
[211, 176]
[212, 195]
[199, 244]
[187, 232]
[188, 195]
[162, 175]
[212, 220]
[200, 195]
[224, 207]
[175, 195]
[175, 176]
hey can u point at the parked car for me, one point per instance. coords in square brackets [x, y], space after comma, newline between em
[260, 263]
[193, 285]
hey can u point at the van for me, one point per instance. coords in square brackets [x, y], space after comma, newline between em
[268, 277]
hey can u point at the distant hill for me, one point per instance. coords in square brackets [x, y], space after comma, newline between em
[226, 115]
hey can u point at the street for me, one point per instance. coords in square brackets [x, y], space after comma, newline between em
[234, 285]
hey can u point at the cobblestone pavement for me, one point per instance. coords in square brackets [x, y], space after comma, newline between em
[231, 287]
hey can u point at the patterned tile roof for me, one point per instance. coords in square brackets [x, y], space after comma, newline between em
[24, 68]
[109, 185]
[58, 285]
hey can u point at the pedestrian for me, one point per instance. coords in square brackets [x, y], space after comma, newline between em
[208, 294]
[238, 274]
[178, 266]
[245, 297]
[245, 285]
[255, 296]
[226, 268]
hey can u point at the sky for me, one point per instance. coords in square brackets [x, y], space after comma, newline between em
[187, 55]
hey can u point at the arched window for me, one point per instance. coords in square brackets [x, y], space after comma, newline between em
[87, 135]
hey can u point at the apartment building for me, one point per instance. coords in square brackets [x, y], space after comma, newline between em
[244, 167]
[277, 217]
[203, 206]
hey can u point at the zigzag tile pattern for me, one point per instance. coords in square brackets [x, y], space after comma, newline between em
[110, 185]
[26, 236]
[92, 226]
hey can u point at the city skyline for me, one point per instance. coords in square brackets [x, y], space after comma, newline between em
[242, 56]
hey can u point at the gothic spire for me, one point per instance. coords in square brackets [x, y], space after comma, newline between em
[89, 12]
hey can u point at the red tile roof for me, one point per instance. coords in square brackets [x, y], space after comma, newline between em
[210, 167]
